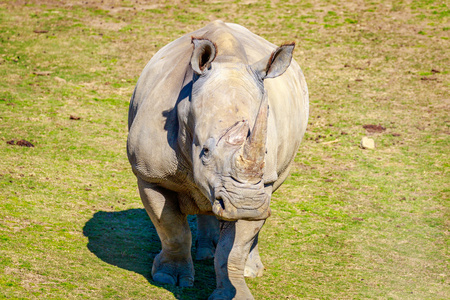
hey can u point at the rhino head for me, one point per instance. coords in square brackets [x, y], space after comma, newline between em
[228, 119]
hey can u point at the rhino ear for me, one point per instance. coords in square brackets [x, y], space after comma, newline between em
[203, 54]
[276, 64]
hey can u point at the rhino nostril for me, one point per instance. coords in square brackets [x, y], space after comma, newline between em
[220, 201]
[219, 206]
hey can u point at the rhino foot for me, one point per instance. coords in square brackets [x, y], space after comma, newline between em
[253, 271]
[207, 237]
[231, 294]
[204, 253]
[179, 273]
[253, 266]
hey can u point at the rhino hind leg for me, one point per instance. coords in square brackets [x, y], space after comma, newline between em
[173, 265]
[253, 266]
[207, 237]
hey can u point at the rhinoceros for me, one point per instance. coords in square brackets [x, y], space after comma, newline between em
[215, 122]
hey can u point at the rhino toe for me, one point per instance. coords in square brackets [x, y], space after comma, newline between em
[251, 272]
[186, 281]
[164, 278]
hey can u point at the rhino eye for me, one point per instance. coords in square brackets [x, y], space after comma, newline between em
[205, 155]
[205, 151]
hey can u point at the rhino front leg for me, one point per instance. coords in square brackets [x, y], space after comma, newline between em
[173, 265]
[235, 241]
[207, 236]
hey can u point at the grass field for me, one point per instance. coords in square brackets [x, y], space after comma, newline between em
[349, 223]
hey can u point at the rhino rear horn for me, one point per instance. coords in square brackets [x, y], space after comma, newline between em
[203, 54]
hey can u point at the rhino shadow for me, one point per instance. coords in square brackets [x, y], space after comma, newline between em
[127, 239]
[171, 125]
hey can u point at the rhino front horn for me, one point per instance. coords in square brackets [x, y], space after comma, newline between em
[250, 163]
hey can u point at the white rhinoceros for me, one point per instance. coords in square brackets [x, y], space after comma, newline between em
[215, 121]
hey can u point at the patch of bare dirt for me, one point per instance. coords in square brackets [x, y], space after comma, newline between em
[428, 78]
[22, 143]
[374, 128]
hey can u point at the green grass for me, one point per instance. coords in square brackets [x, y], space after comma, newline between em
[347, 224]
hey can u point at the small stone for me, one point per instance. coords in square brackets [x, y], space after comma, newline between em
[367, 143]
[374, 128]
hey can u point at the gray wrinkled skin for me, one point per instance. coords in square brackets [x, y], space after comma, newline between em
[214, 123]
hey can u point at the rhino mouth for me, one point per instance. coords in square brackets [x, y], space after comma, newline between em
[237, 201]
